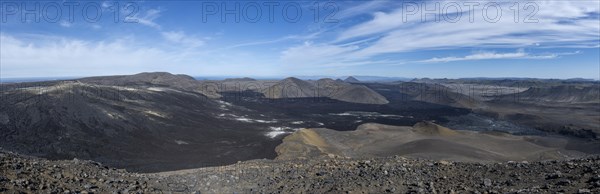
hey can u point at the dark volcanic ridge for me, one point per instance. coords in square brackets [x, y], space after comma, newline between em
[558, 94]
[164, 79]
[147, 122]
[296, 88]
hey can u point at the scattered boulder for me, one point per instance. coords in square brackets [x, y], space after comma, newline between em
[318, 175]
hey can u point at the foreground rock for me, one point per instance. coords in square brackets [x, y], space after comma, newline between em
[320, 175]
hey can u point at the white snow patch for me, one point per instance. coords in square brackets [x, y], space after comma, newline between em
[224, 104]
[276, 131]
[179, 142]
[264, 121]
[278, 128]
[365, 114]
[274, 134]
[124, 88]
[111, 114]
[155, 114]
[247, 120]
[342, 114]
[155, 89]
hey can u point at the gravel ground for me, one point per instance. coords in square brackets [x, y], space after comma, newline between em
[23, 174]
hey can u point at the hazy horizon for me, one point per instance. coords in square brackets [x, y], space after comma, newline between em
[200, 77]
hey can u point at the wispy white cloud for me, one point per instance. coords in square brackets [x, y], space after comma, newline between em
[65, 24]
[315, 54]
[304, 38]
[505, 33]
[381, 22]
[96, 26]
[147, 18]
[574, 25]
[179, 37]
[35, 55]
[106, 4]
[520, 54]
[366, 7]
[62, 56]
[560, 24]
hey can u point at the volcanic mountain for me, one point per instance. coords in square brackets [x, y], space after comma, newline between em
[296, 88]
[156, 79]
[291, 87]
[351, 80]
[143, 122]
[435, 93]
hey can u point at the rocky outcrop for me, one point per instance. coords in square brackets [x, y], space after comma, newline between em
[21, 174]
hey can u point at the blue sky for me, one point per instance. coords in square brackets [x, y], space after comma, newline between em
[438, 39]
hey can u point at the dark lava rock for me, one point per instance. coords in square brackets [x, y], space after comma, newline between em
[319, 175]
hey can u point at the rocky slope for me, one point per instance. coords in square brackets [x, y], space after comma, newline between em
[296, 88]
[561, 108]
[566, 109]
[134, 122]
[20, 174]
[425, 140]
[558, 94]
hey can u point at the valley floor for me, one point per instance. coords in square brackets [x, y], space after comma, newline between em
[328, 174]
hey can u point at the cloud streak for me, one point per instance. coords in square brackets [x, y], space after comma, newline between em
[520, 54]
[36, 55]
[147, 18]
[558, 24]
[67, 57]
[179, 37]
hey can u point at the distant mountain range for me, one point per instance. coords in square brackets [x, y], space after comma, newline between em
[381, 79]
[359, 77]
[160, 121]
